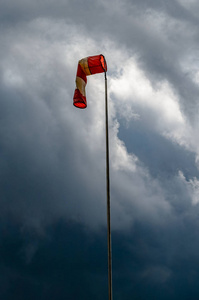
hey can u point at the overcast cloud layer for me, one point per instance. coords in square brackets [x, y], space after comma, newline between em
[52, 155]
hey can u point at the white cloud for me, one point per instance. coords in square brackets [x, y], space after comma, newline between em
[192, 186]
[188, 4]
[157, 106]
[41, 60]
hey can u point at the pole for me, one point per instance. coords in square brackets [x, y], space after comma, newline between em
[108, 197]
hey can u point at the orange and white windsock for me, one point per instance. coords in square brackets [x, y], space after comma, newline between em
[87, 66]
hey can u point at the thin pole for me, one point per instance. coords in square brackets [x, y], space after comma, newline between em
[108, 197]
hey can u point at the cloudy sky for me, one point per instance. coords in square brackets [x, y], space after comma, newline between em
[53, 242]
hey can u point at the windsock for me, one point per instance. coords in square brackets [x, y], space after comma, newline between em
[87, 66]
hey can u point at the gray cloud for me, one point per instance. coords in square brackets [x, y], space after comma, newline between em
[52, 156]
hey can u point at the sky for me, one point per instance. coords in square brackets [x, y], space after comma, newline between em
[53, 238]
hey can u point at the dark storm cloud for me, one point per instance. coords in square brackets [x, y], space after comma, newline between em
[58, 255]
[148, 262]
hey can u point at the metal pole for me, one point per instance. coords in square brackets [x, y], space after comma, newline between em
[108, 197]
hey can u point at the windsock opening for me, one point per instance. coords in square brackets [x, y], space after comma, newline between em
[103, 62]
[79, 100]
